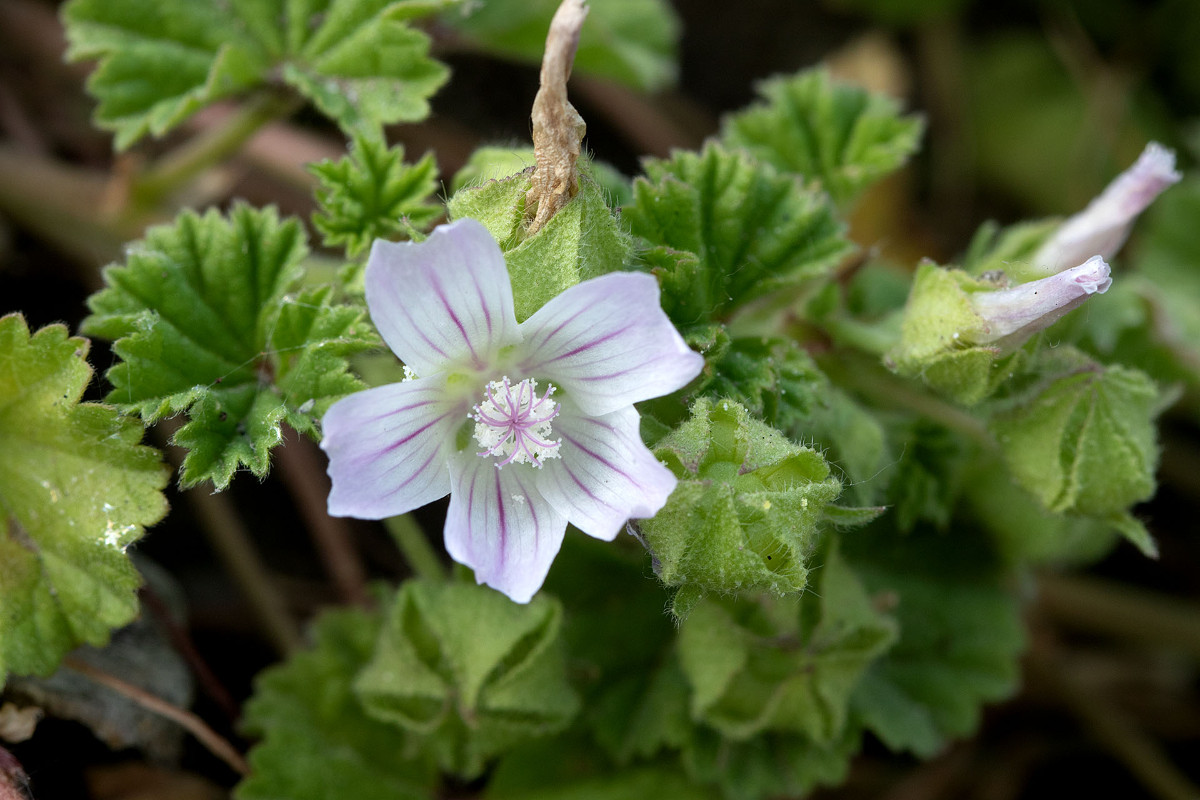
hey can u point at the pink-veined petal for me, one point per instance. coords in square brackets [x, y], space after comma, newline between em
[1101, 228]
[605, 475]
[1013, 315]
[389, 447]
[499, 526]
[608, 343]
[446, 300]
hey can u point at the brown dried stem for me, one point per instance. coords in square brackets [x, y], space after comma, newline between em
[213, 741]
[557, 127]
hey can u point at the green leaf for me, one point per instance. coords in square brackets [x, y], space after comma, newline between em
[469, 671]
[774, 765]
[76, 489]
[1086, 442]
[733, 230]
[204, 325]
[839, 137]
[785, 665]
[747, 509]
[642, 715]
[317, 741]
[961, 636]
[357, 60]
[583, 240]
[630, 41]
[634, 784]
[372, 194]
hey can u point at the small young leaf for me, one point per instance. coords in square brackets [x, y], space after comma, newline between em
[468, 671]
[317, 741]
[631, 41]
[372, 194]
[76, 489]
[741, 230]
[204, 325]
[839, 137]
[359, 62]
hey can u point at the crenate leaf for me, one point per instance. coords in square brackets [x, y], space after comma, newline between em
[76, 490]
[961, 636]
[630, 41]
[733, 230]
[469, 672]
[372, 194]
[356, 60]
[838, 137]
[204, 325]
[317, 742]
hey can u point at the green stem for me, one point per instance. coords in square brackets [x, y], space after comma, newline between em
[413, 543]
[210, 148]
[867, 377]
[1123, 612]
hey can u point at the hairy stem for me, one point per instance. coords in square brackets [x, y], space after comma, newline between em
[302, 473]
[210, 148]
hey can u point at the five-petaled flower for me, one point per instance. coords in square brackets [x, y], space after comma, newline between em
[527, 426]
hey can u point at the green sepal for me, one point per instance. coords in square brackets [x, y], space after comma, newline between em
[358, 62]
[583, 240]
[961, 636]
[317, 742]
[469, 672]
[742, 230]
[938, 334]
[372, 194]
[76, 490]
[786, 665]
[839, 137]
[205, 324]
[1085, 443]
[747, 509]
[629, 41]
[491, 164]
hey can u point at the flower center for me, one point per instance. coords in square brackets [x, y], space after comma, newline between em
[513, 423]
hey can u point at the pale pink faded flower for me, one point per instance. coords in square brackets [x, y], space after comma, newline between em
[1101, 228]
[527, 426]
[1010, 316]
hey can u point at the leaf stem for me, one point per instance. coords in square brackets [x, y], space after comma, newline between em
[303, 475]
[867, 377]
[414, 544]
[1121, 611]
[216, 744]
[209, 148]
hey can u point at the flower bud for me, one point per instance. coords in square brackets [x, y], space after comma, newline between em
[1010, 316]
[1101, 228]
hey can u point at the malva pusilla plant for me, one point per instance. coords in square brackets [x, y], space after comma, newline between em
[728, 495]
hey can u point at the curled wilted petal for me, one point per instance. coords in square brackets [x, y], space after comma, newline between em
[1101, 228]
[527, 427]
[1010, 316]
